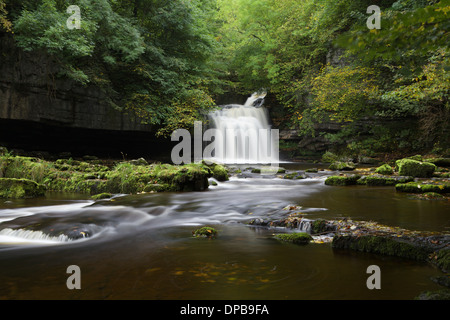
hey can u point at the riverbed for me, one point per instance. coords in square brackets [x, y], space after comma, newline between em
[141, 246]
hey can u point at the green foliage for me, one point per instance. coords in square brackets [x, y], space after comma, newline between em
[150, 57]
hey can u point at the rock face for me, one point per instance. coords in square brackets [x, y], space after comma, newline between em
[34, 100]
[31, 91]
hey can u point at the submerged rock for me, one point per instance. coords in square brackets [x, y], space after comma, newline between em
[424, 187]
[390, 245]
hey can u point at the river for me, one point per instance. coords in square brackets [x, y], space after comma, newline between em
[141, 246]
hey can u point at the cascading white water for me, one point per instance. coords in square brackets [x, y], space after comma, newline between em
[246, 135]
[8, 235]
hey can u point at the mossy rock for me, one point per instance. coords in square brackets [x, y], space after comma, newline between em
[440, 162]
[385, 169]
[342, 166]
[13, 188]
[205, 232]
[416, 157]
[312, 170]
[414, 168]
[296, 237]
[294, 175]
[416, 187]
[342, 180]
[101, 196]
[379, 181]
[319, 226]
[385, 245]
[218, 171]
[256, 170]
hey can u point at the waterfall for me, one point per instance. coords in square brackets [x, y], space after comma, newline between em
[245, 131]
[8, 235]
[305, 225]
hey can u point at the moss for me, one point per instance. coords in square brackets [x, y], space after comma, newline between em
[312, 170]
[414, 168]
[256, 170]
[20, 188]
[382, 180]
[26, 167]
[296, 237]
[319, 226]
[385, 169]
[417, 187]
[417, 157]
[93, 178]
[219, 172]
[442, 260]
[205, 232]
[158, 187]
[379, 181]
[101, 196]
[342, 180]
[342, 166]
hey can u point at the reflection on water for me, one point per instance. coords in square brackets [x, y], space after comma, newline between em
[140, 247]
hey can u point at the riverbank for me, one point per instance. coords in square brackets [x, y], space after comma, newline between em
[29, 177]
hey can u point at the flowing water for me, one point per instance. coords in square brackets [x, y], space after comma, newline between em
[141, 246]
[244, 134]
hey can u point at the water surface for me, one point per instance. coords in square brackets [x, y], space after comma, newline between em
[141, 246]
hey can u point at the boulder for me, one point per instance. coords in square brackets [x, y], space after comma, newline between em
[414, 168]
[342, 166]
